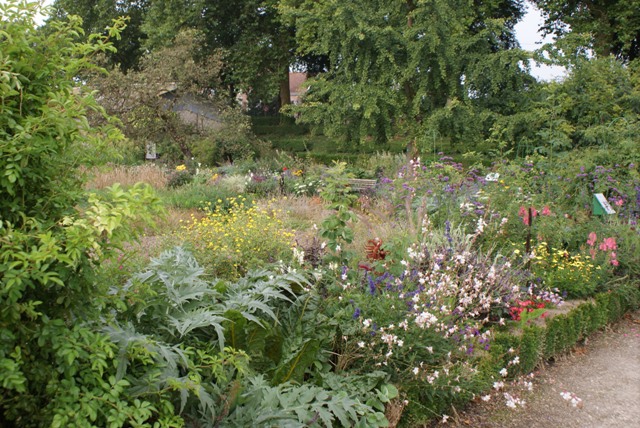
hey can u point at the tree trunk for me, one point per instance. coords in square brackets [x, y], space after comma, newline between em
[285, 91]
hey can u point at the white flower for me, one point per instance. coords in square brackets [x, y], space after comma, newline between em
[498, 385]
[430, 349]
[503, 372]
[492, 176]
[360, 344]
[444, 419]
[513, 401]
[416, 371]
[338, 248]
[572, 398]
[298, 255]
[486, 397]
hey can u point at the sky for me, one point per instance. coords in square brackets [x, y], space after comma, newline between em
[529, 38]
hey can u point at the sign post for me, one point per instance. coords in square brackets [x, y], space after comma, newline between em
[601, 206]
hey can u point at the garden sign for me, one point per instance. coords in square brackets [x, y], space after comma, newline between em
[601, 206]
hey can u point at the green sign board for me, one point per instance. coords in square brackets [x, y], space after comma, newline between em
[601, 206]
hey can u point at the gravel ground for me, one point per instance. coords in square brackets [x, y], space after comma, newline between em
[603, 373]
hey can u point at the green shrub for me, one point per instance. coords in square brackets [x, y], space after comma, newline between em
[179, 179]
[195, 195]
[57, 368]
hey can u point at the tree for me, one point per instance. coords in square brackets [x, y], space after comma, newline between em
[395, 64]
[613, 25]
[596, 105]
[257, 49]
[183, 76]
[56, 367]
[98, 15]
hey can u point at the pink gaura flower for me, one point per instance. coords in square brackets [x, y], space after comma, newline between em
[592, 239]
[620, 202]
[546, 210]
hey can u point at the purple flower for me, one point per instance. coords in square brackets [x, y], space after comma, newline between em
[372, 285]
[447, 232]
[356, 313]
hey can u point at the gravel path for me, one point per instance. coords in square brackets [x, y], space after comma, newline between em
[604, 375]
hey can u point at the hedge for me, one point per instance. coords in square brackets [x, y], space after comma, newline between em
[533, 345]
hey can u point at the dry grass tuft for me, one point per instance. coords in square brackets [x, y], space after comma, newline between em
[178, 217]
[393, 411]
[301, 213]
[376, 220]
[148, 173]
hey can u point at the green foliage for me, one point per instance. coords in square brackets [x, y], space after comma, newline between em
[98, 15]
[263, 324]
[335, 228]
[290, 406]
[169, 101]
[395, 64]
[596, 105]
[256, 48]
[179, 179]
[612, 25]
[52, 235]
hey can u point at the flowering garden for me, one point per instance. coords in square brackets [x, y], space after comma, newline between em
[429, 290]
[269, 292]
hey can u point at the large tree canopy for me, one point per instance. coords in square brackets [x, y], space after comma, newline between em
[394, 64]
[257, 48]
[614, 25]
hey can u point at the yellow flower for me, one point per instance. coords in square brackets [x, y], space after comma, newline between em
[181, 167]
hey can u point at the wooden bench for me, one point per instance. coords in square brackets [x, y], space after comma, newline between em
[359, 184]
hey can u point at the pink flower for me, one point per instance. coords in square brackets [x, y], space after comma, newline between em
[592, 239]
[610, 243]
[522, 212]
[619, 202]
[546, 210]
[615, 262]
